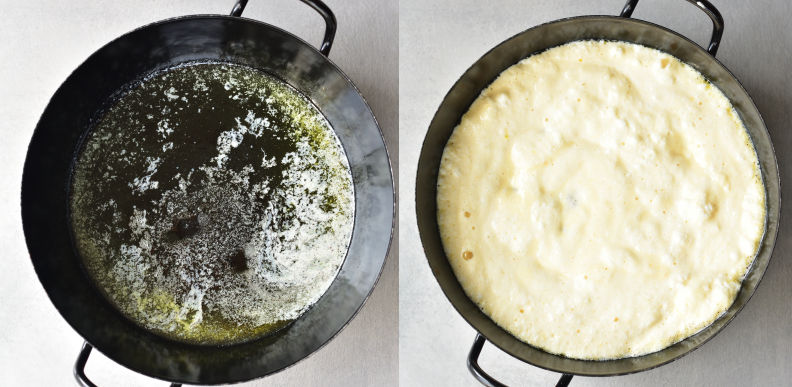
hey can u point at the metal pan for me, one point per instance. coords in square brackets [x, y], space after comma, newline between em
[538, 39]
[158, 46]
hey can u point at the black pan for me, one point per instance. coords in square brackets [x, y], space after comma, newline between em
[161, 45]
[538, 39]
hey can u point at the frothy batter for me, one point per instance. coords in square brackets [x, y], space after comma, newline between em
[601, 200]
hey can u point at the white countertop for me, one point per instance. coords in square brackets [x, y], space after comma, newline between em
[42, 42]
[440, 39]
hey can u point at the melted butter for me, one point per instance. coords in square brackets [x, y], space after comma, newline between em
[600, 200]
[212, 203]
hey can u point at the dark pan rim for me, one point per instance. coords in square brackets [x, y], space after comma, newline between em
[771, 236]
[381, 136]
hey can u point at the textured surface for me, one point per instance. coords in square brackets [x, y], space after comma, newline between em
[589, 209]
[760, 334]
[40, 346]
[203, 246]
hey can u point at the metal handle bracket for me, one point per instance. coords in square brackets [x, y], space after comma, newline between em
[704, 5]
[487, 380]
[79, 368]
[318, 6]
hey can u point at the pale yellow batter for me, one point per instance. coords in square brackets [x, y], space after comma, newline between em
[601, 200]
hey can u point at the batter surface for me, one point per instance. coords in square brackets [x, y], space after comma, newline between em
[601, 200]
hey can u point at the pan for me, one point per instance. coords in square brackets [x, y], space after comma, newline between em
[538, 39]
[162, 45]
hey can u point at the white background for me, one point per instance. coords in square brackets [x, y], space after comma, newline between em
[41, 42]
[440, 39]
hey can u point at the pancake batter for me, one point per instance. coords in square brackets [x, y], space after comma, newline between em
[601, 200]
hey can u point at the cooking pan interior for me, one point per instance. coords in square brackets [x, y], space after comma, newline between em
[537, 39]
[161, 45]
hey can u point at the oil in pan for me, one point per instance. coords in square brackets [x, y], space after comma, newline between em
[211, 203]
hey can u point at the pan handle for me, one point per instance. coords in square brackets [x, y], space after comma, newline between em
[489, 381]
[704, 5]
[318, 6]
[79, 368]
